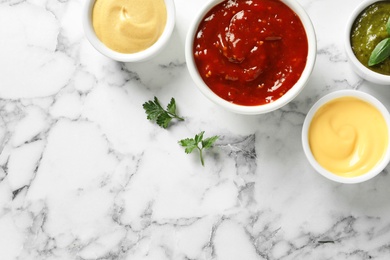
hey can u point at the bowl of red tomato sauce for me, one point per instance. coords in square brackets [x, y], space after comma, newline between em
[251, 56]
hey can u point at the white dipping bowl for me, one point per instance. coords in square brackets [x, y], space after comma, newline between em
[356, 65]
[305, 136]
[259, 109]
[124, 57]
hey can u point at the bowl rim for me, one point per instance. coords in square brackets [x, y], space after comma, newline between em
[305, 135]
[128, 57]
[259, 109]
[357, 66]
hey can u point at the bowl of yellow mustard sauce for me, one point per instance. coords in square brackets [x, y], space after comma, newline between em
[129, 30]
[367, 41]
[345, 136]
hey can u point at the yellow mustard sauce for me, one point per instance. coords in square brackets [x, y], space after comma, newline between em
[348, 136]
[129, 26]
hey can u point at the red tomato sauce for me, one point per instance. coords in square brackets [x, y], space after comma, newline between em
[250, 52]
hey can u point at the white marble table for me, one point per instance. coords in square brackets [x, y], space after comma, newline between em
[85, 176]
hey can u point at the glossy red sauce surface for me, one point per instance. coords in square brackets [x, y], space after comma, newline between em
[250, 52]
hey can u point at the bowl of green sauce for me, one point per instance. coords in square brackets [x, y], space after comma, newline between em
[367, 42]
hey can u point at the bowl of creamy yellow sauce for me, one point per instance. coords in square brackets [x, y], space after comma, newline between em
[345, 136]
[129, 30]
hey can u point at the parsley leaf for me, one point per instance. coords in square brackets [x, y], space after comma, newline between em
[190, 144]
[155, 112]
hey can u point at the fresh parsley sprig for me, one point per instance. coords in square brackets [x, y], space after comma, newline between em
[155, 112]
[382, 50]
[190, 144]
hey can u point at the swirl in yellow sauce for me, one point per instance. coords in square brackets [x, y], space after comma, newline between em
[129, 26]
[348, 136]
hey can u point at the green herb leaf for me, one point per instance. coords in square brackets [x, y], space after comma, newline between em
[172, 106]
[163, 120]
[155, 112]
[152, 109]
[190, 144]
[388, 26]
[208, 142]
[380, 52]
[199, 137]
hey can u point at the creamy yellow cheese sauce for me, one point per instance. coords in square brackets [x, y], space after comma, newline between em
[348, 136]
[129, 26]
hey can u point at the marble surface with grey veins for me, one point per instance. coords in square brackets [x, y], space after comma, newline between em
[84, 175]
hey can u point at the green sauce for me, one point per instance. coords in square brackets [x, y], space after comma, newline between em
[367, 31]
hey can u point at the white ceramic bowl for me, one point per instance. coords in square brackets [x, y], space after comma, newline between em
[356, 65]
[260, 109]
[133, 57]
[305, 136]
